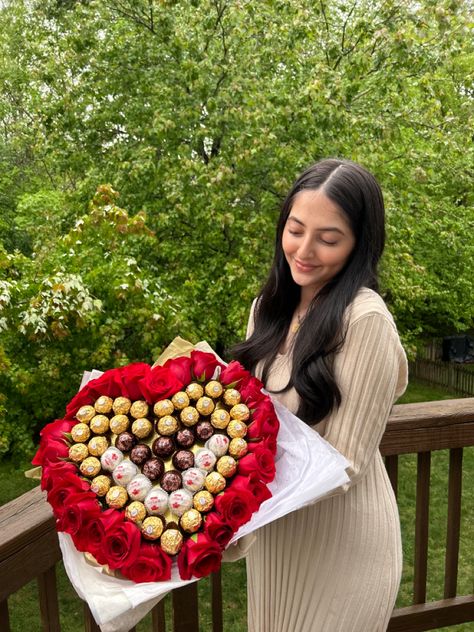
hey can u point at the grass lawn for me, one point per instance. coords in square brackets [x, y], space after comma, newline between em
[24, 609]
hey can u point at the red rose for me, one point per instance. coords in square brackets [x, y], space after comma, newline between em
[181, 368]
[54, 472]
[251, 392]
[236, 508]
[264, 421]
[151, 565]
[159, 384]
[199, 558]
[218, 530]
[78, 506]
[132, 375]
[122, 543]
[260, 461]
[252, 484]
[53, 445]
[203, 364]
[91, 534]
[234, 373]
[62, 487]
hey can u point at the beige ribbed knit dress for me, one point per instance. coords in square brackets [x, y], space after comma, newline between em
[335, 566]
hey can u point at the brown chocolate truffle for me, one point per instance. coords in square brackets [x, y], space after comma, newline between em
[163, 447]
[204, 430]
[140, 453]
[183, 459]
[185, 437]
[153, 469]
[125, 441]
[171, 481]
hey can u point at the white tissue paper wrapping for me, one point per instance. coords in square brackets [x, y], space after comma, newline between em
[307, 468]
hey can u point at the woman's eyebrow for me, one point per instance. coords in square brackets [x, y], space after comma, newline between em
[321, 229]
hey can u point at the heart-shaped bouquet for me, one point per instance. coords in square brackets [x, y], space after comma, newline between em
[155, 465]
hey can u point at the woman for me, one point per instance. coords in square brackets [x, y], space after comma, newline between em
[322, 340]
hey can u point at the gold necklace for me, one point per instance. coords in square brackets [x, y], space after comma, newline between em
[297, 325]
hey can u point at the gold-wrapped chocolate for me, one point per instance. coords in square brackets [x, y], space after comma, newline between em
[119, 423]
[231, 397]
[227, 466]
[104, 404]
[78, 452]
[139, 409]
[142, 427]
[236, 429]
[171, 541]
[213, 389]
[99, 424]
[152, 528]
[116, 497]
[163, 407]
[215, 482]
[190, 521]
[167, 425]
[240, 412]
[97, 446]
[205, 405]
[194, 391]
[121, 405]
[203, 501]
[135, 511]
[180, 400]
[80, 433]
[90, 467]
[220, 418]
[100, 485]
[189, 416]
[238, 448]
[85, 414]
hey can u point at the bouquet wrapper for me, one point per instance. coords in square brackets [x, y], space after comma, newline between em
[307, 469]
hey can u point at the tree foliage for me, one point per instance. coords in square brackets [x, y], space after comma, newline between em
[201, 113]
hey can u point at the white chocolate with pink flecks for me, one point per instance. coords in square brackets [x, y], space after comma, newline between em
[193, 479]
[139, 487]
[156, 501]
[180, 501]
[205, 459]
[124, 472]
[111, 458]
[218, 444]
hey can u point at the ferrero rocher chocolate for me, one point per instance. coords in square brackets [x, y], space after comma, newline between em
[185, 437]
[183, 459]
[152, 528]
[153, 468]
[205, 406]
[139, 409]
[189, 416]
[78, 452]
[140, 453]
[213, 389]
[163, 447]
[163, 407]
[190, 521]
[142, 427]
[236, 429]
[238, 448]
[227, 466]
[80, 433]
[100, 485]
[203, 501]
[194, 391]
[99, 424]
[119, 423]
[240, 412]
[125, 441]
[232, 397]
[180, 400]
[116, 497]
[214, 482]
[171, 541]
[90, 466]
[97, 446]
[85, 414]
[135, 511]
[121, 405]
[220, 418]
[167, 425]
[103, 404]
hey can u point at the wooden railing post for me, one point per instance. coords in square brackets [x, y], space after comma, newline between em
[4, 616]
[48, 598]
[421, 526]
[454, 522]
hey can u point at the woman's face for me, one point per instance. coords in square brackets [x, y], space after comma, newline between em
[317, 240]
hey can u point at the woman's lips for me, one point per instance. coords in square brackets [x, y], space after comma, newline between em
[303, 267]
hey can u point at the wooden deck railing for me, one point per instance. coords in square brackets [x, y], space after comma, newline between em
[29, 547]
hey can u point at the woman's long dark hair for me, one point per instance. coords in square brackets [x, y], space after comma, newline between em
[321, 334]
